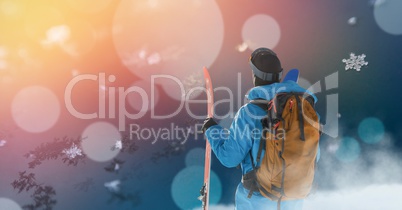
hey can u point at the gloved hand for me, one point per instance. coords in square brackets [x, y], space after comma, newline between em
[208, 123]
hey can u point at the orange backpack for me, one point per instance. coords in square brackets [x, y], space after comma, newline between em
[290, 141]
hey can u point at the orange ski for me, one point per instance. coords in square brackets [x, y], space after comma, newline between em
[207, 168]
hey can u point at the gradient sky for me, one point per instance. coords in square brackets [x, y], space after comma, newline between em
[83, 74]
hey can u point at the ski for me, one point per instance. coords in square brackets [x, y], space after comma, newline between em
[207, 168]
[292, 75]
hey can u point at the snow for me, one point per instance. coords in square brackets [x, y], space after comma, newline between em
[355, 62]
[116, 167]
[352, 21]
[242, 47]
[72, 152]
[118, 145]
[372, 197]
[113, 186]
[2, 142]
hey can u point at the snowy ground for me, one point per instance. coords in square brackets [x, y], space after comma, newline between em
[373, 197]
[359, 186]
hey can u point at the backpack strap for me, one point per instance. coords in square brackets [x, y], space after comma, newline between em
[301, 119]
[283, 170]
[251, 183]
[264, 105]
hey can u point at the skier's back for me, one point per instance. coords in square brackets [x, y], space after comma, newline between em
[242, 145]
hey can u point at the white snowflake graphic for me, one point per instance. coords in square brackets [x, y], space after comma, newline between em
[113, 186]
[352, 21]
[355, 62]
[118, 144]
[116, 167]
[72, 152]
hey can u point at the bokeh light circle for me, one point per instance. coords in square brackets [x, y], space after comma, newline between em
[98, 141]
[388, 16]
[185, 192]
[195, 157]
[371, 130]
[12, 8]
[168, 38]
[348, 150]
[261, 30]
[8, 204]
[136, 100]
[35, 109]
[183, 85]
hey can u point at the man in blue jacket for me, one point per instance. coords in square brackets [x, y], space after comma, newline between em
[232, 148]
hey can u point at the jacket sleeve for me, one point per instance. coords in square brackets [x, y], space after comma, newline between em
[231, 146]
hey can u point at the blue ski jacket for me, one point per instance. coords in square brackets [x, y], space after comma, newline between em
[232, 147]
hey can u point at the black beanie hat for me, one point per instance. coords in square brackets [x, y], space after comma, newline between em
[266, 65]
